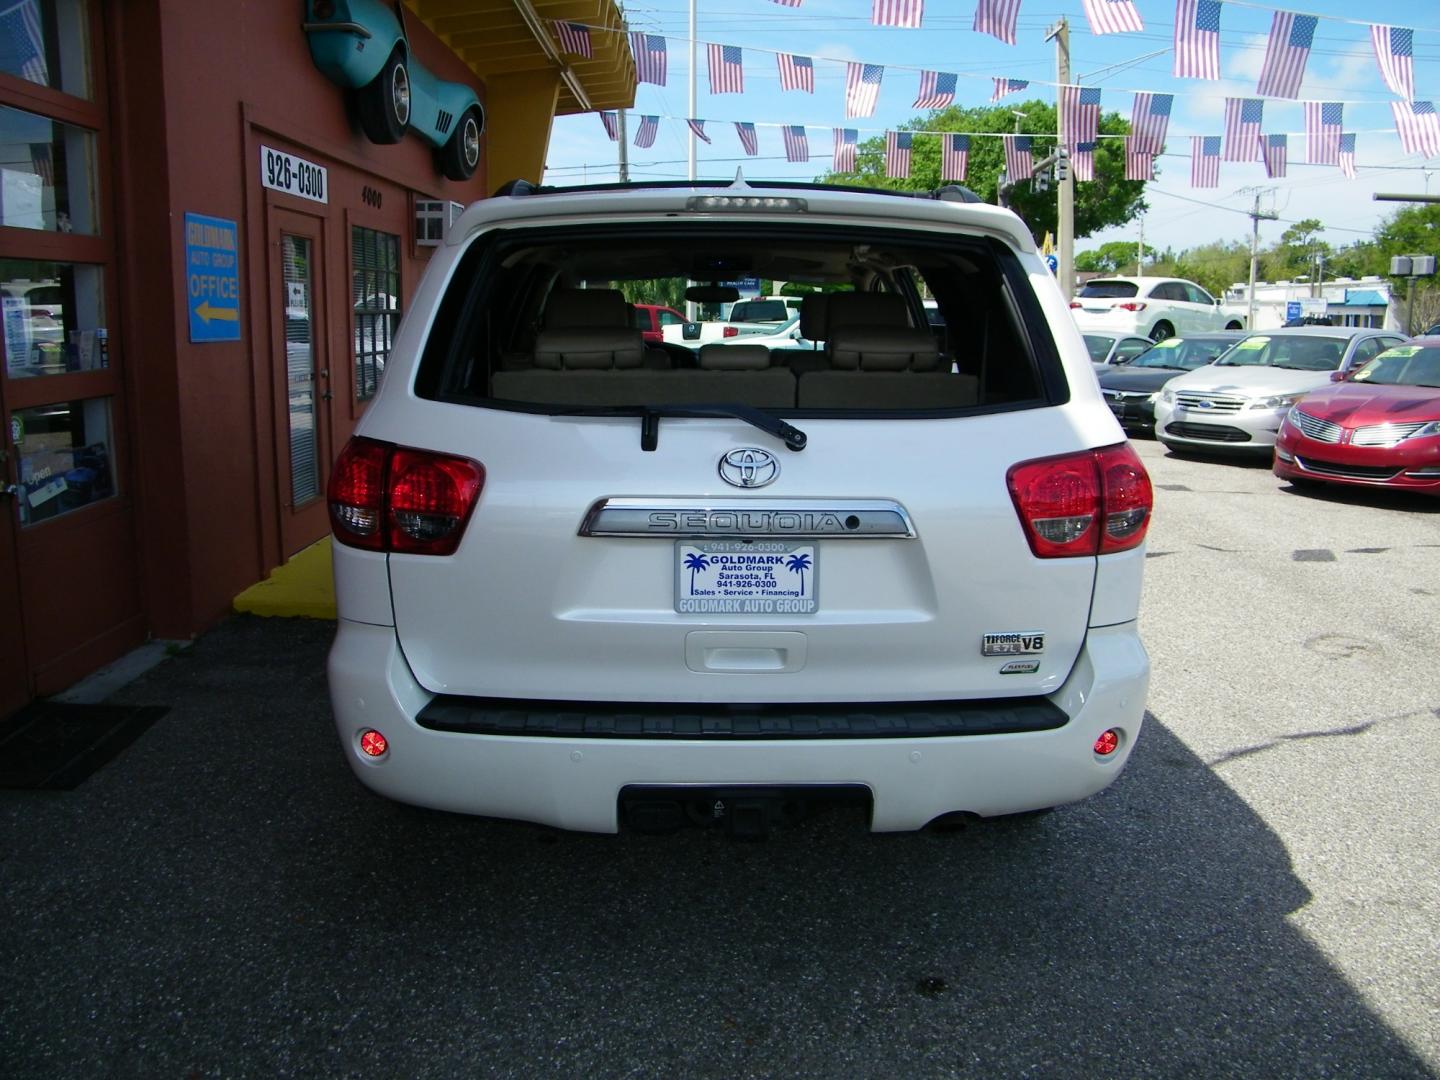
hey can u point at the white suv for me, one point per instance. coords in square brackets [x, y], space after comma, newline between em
[1156, 308]
[594, 584]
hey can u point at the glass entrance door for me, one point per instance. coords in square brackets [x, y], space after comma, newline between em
[303, 376]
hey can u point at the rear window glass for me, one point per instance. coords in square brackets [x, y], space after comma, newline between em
[1099, 346]
[1109, 289]
[542, 319]
[759, 311]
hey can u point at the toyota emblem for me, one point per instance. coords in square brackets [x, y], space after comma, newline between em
[749, 467]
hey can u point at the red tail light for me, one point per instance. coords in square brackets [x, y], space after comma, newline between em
[1090, 503]
[1075, 303]
[1132, 305]
[731, 331]
[391, 498]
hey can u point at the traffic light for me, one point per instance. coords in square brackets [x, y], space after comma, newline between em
[1062, 163]
[1040, 181]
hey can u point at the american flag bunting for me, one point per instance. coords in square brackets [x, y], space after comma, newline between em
[574, 38]
[1082, 161]
[996, 18]
[1347, 154]
[698, 127]
[645, 133]
[1019, 162]
[796, 72]
[862, 88]
[1418, 126]
[937, 90]
[904, 13]
[954, 157]
[1276, 148]
[1112, 16]
[727, 73]
[1139, 164]
[748, 141]
[843, 157]
[1079, 114]
[1197, 39]
[1008, 86]
[797, 147]
[1149, 120]
[1395, 53]
[1323, 121]
[1286, 53]
[611, 127]
[897, 154]
[1204, 161]
[649, 51]
[1242, 128]
[787, 3]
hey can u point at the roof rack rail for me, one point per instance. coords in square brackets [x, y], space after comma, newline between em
[947, 193]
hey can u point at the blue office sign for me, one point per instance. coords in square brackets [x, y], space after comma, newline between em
[212, 278]
[1292, 310]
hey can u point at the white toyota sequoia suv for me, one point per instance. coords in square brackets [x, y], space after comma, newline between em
[595, 583]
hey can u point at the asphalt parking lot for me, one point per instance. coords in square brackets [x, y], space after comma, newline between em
[1256, 896]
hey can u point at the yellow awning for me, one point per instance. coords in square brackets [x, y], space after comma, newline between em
[514, 37]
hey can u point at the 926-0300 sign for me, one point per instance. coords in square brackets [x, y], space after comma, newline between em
[293, 175]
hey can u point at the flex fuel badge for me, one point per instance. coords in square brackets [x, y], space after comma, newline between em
[1015, 643]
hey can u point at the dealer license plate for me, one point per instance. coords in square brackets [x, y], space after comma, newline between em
[736, 577]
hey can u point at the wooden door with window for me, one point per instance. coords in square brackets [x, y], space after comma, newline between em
[300, 346]
[15, 688]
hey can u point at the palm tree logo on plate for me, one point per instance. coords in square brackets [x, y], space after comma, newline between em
[695, 561]
[798, 564]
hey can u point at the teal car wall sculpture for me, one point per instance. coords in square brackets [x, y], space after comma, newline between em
[362, 46]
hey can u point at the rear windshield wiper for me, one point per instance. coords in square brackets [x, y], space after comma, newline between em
[790, 435]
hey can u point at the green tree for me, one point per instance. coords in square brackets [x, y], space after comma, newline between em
[1108, 200]
[667, 292]
[1115, 257]
[1295, 254]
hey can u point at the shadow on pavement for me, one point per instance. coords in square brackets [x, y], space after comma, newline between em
[226, 898]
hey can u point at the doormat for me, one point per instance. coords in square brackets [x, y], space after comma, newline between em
[53, 746]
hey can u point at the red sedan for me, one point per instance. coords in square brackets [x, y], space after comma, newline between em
[1379, 426]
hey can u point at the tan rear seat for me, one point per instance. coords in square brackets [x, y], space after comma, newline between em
[885, 368]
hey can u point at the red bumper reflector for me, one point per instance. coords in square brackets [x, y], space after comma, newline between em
[1108, 742]
[372, 743]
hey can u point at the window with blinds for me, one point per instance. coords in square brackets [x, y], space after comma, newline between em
[375, 277]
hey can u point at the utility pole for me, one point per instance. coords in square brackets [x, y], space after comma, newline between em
[1140, 255]
[1065, 189]
[689, 131]
[1255, 217]
[624, 144]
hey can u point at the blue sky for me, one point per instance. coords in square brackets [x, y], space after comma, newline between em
[1341, 68]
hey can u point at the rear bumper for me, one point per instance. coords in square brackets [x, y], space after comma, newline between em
[572, 781]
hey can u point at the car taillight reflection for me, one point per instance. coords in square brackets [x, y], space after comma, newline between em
[392, 498]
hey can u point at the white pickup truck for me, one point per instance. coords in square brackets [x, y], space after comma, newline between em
[746, 318]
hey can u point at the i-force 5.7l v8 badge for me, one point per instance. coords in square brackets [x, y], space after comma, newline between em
[1016, 643]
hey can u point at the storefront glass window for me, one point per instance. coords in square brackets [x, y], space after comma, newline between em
[65, 457]
[375, 266]
[47, 42]
[47, 174]
[53, 317]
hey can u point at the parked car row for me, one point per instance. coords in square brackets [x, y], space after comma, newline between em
[1345, 405]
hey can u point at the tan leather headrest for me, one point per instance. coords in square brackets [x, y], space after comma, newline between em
[596, 349]
[568, 308]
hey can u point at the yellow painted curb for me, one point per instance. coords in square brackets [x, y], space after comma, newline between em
[303, 588]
